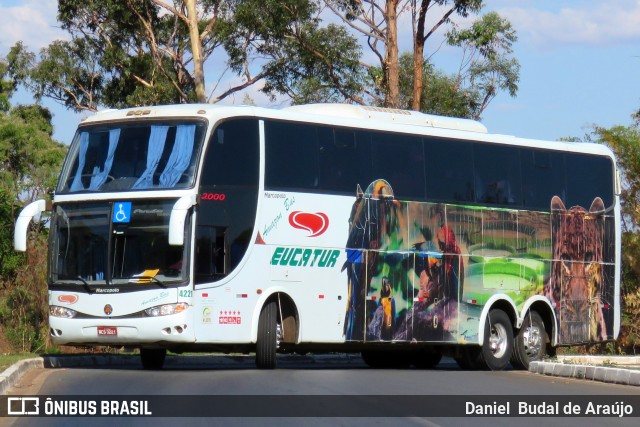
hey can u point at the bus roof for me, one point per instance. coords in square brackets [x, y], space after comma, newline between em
[362, 117]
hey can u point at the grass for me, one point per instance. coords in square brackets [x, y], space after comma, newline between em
[7, 360]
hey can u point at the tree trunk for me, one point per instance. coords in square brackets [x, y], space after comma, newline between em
[391, 65]
[196, 49]
[418, 53]
[418, 74]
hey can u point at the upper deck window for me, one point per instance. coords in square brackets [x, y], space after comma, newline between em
[141, 156]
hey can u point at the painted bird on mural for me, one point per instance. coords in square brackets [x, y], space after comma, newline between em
[388, 310]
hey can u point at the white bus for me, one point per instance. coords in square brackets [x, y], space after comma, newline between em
[329, 227]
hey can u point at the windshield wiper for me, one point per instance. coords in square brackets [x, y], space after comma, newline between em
[143, 280]
[84, 284]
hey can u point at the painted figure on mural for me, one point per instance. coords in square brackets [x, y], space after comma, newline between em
[372, 218]
[440, 276]
[452, 267]
[575, 287]
[379, 263]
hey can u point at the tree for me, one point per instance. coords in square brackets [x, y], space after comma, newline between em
[377, 21]
[67, 72]
[126, 53]
[625, 142]
[29, 163]
[317, 65]
[485, 68]
[441, 94]
[11, 73]
[421, 33]
[29, 157]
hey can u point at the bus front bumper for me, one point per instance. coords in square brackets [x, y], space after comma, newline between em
[122, 331]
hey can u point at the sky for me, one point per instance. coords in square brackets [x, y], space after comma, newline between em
[580, 64]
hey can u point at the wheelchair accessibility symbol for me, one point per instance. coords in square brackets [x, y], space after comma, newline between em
[122, 212]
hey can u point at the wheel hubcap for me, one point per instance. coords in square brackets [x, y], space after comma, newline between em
[498, 340]
[532, 340]
[278, 334]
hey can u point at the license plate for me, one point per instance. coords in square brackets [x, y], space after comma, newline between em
[108, 331]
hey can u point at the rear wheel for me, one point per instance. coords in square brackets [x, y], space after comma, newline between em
[267, 341]
[496, 351]
[498, 341]
[152, 358]
[530, 343]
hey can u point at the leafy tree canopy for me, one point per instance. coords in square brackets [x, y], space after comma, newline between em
[128, 53]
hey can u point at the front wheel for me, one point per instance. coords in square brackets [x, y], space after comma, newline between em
[498, 341]
[152, 358]
[267, 341]
[530, 343]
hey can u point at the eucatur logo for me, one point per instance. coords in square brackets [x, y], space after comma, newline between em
[315, 223]
[68, 298]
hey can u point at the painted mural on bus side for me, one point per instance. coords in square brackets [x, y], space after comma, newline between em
[423, 271]
[577, 280]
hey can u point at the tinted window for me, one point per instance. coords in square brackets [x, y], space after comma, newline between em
[232, 155]
[588, 177]
[135, 156]
[344, 160]
[399, 160]
[542, 177]
[291, 155]
[497, 174]
[228, 199]
[449, 169]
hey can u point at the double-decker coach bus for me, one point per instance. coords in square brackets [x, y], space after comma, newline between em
[396, 234]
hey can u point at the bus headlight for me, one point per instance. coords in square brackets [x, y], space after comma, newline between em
[57, 311]
[167, 309]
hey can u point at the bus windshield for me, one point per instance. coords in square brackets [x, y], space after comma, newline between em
[139, 156]
[115, 243]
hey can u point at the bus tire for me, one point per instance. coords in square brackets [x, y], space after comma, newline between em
[387, 359]
[373, 359]
[152, 358]
[530, 342]
[496, 351]
[426, 359]
[469, 358]
[267, 343]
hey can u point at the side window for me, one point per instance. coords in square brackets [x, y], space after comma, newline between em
[543, 176]
[344, 160]
[449, 169]
[228, 199]
[291, 155]
[232, 156]
[399, 160]
[497, 174]
[589, 177]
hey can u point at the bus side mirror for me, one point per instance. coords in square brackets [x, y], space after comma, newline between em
[178, 217]
[24, 219]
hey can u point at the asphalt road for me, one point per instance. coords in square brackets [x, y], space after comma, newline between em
[314, 387]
